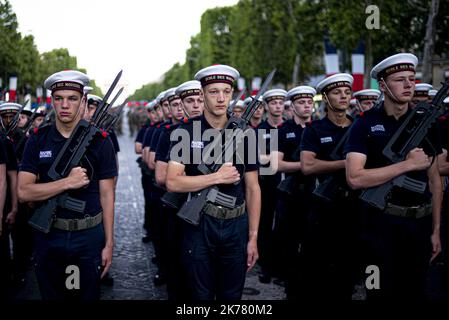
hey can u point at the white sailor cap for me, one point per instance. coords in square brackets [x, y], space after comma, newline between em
[160, 97]
[353, 102]
[367, 94]
[219, 73]
[189, 88]
[151, 105]
[287, 103]
[67, 80]
[27, 110]
[88, 89]
[301, 92]
[8, 107]
[171, 95]
[274, 94]
[432, 93]
[335, 81]
[94, 99]
[422, 89]
[395, 63]
[239, 104]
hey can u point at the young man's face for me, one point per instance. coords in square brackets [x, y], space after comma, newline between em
[8, 117]
[365, 105]
[401, 84]
[339, 98]
[153, 115]
[23, 118]
[237, 112]
[194, 105]
[69, 105]
[303, 107]
[259, 112]
[160, 114]
[176, 109]
[276, 107]
[417, 100]
[288, 112]
[91, 108]
[217, 97]
[38, 121]
[166, 110]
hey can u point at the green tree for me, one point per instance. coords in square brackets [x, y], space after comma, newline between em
[9, 41]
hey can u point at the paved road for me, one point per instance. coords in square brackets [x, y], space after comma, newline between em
[132, 268]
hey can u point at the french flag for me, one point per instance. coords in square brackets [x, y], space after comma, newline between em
[12, 88]
[330, 58]
[39, 94]
[48, 97]
[358, 67]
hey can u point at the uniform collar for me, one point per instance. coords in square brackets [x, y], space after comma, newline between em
[333, 125]
[56, 136]
[386, 116]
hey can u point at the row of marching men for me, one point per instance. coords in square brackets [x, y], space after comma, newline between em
[318, 246]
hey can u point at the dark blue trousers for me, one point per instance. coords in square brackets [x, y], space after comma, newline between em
[59, 249]
[214, 255]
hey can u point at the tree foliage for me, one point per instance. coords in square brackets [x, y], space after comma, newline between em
[20, 57]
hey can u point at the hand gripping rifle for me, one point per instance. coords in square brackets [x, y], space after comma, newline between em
[411, 134]
[192, 209]
[176, 199]
[69, 157]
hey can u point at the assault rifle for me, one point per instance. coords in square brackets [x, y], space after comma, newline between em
[411, 134]
[192, 209]
[71, 156]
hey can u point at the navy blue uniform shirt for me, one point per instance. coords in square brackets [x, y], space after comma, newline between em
[235, 190]
[264, 131]
[157, 133]
[370, 134]
[41, 151]
[141, 133]
[114, 140]
[163, 144]
[321, 137]
[11, 159]
[148, 135]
